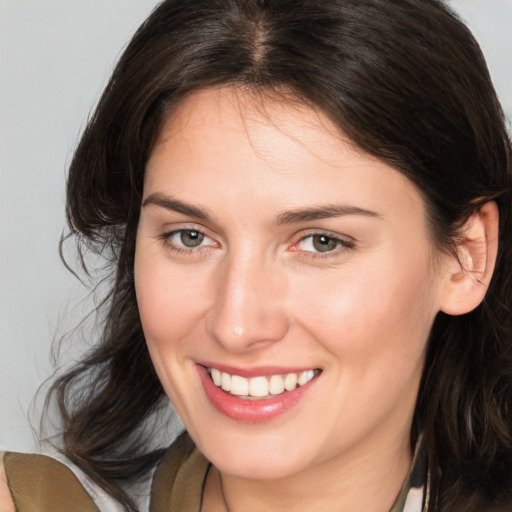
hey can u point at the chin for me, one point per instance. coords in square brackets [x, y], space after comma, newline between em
[256, 456]
[261, 468]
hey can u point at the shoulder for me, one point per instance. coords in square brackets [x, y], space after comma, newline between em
[39, 482]
[31, 482]
[6, 503]
[179, 478]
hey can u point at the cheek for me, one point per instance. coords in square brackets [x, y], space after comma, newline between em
[170, 314]
[168, 298]
[374, 327]
[373, 317]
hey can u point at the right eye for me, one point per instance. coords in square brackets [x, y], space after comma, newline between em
[190, 238]
[187, 240]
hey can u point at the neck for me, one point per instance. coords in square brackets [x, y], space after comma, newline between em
[358, 482]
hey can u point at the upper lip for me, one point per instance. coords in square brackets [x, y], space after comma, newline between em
[257, 371]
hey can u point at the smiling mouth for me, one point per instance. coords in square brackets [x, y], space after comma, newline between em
[257, 388]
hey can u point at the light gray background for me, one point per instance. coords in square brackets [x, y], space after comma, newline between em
[55, 57]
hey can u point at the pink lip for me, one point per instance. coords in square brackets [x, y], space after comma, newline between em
[260, 371]
[251, 411]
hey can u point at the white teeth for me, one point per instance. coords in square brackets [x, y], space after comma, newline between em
[260, 386]
[216, 377]
[226, 381]
[239, 385]
[276, 385]
[290, 381]
[305, 376]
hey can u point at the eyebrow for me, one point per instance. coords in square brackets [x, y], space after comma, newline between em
[323, 212]
[287, 217]
[177, 206]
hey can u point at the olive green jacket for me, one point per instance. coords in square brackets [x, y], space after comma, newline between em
[39, 483]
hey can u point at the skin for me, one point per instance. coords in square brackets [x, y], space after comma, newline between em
[6, 503]
[256, 292]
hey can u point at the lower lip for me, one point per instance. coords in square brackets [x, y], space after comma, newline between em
[251, 411]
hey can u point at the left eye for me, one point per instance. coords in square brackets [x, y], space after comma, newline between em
[320, 243]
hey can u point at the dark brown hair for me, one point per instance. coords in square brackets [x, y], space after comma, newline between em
[407, 83]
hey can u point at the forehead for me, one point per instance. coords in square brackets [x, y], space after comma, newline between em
[260, 117]
[246, 148]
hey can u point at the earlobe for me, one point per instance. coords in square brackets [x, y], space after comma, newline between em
[471, 268]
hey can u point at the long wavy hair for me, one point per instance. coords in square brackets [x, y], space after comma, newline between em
[407, 83]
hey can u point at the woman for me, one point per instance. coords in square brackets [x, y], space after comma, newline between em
[307, 210]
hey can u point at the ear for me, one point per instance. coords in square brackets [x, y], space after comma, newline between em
[471, 268]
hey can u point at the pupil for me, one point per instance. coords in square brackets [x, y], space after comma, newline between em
[191, 238]
[323, 243]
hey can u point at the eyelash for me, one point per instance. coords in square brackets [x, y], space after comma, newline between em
[341, 244]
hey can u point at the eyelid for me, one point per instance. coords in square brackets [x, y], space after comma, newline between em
[305, 233]
[174, 227]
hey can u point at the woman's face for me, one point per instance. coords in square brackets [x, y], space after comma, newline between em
[269, 250]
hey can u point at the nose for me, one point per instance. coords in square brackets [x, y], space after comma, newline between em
[249, 305]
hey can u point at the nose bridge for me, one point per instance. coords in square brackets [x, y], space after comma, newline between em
[249, 305]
